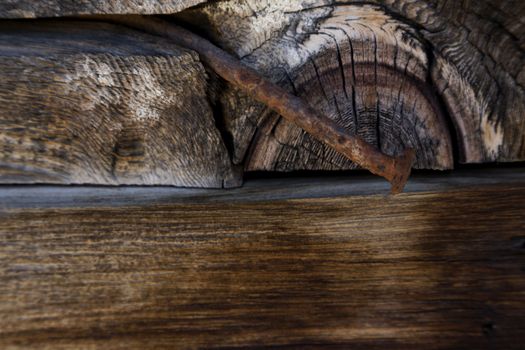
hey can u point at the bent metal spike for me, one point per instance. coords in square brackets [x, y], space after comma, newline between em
[394, 169]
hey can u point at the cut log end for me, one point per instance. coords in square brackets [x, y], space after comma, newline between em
[354, 64]
[398, 76]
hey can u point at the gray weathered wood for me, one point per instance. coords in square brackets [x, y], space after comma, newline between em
[391, 71]
[355, 64]
[433, 75]
[56, 8]
[95, 103]
[478, 69]
[254, 190]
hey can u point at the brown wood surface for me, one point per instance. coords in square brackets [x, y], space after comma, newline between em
[294, 263]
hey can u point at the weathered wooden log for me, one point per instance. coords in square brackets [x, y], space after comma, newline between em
[95, 103]
[355, 64]
[442, 77]
[478, 69]
[394, 72]
[57, 8]
[322, 128]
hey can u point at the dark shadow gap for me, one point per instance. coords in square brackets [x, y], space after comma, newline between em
[256, 175]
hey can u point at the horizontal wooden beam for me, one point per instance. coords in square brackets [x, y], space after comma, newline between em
[288, 262]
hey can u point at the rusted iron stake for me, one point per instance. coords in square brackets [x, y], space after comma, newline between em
[395, 169]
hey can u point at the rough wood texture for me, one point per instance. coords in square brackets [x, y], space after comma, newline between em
[104, 105]
[395, 170]
[444, 77]
[392, 71]
[354, 64]
[478, 69]
[419, 270]
[55, 8]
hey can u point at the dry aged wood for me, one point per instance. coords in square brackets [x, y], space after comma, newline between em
[478, 69]
[445, 78]
[422, 270]
[395, 169]
[100, 104]
[56, 8]
[355, 64]
[395, 72]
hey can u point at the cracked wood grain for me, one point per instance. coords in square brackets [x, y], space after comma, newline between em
[366, 71]
[443, 77]
[478, 70]
[105, 105]
[453, 78]
[394, 169]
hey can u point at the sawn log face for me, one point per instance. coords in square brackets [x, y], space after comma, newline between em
[449, 66]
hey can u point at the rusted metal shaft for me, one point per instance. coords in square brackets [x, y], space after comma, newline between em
[395, 169]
